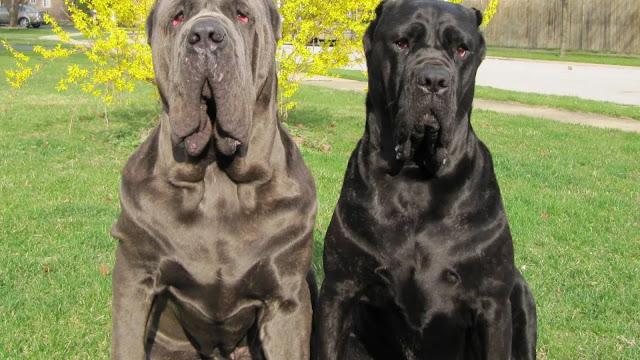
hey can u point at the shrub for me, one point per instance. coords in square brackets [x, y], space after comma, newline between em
[317, 35]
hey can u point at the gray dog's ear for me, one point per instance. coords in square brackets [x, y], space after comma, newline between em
[276, 20]
[478, 16]
[149, 25]
[368, 35]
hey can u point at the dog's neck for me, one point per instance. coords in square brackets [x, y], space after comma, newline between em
[256, 165]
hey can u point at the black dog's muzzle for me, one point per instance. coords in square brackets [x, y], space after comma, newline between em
[434, 79]
[426, 106]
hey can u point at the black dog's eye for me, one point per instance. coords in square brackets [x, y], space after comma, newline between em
[461, 51]
[402, 44]
[242, 17]
[178, 19]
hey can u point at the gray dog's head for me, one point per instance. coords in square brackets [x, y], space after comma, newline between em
[211, 60]
[422, 57]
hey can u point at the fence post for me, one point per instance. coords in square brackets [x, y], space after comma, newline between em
[564, 31]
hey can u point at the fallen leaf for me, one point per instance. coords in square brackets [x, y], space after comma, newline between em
[544, 215]
[300, 126]
[298, 140]
[104, 270]
[45, 144]
[319, 228]
[107, 199]
[325, 147]
[46, 269]
[593, 283]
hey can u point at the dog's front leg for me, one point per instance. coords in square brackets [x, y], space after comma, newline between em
[132, 300]
[498, 331]
[286, 328]
[330, 323]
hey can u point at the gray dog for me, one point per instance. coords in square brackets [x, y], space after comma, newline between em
[418, 256]
[217, 205]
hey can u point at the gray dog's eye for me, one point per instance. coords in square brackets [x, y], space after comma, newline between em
[461, 51]
[241, 16]
[178, 19]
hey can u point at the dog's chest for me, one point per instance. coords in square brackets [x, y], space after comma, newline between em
[445, 239]
[219, 270]
[213, 302]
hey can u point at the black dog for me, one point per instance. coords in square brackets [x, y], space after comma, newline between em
[418, 256]
[217, 205]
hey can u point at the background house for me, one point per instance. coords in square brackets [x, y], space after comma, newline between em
[55, 8]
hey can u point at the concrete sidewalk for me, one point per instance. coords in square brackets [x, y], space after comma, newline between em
[565, 116]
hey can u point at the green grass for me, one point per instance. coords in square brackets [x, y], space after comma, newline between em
[570, 56]
[571, 194]
[348, 74]
[571, 103]
[31, 36]
[28, 36]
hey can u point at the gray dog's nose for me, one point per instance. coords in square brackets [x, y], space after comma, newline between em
[206, 34]
[435, 79]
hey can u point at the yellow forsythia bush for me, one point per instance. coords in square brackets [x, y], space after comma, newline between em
[317, 35]
[333, 28]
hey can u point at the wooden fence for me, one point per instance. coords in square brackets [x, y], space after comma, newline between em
[598, 25]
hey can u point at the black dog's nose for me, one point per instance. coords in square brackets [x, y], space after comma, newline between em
[206, 34]
[435, 79]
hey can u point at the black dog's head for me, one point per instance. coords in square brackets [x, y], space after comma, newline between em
[422, 57]
[211, 59]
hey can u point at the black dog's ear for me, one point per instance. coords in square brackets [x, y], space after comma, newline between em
[478, 16]
[368, 35]
[149, 26]
[276, 20]
[379, 8]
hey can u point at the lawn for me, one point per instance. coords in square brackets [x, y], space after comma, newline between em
[31, 36]
[571, 193]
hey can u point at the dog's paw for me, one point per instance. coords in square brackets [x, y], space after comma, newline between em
[241, 353]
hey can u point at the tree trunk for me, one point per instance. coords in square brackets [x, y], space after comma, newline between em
[14, 9]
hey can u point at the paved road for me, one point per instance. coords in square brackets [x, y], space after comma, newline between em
[619, 84]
